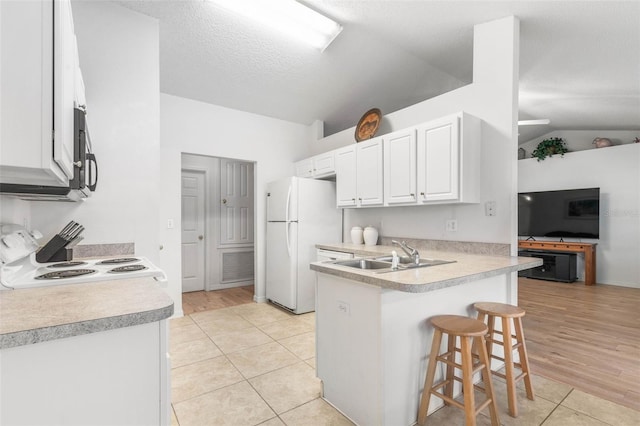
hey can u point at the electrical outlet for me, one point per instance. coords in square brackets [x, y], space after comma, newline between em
[451, 225]
[490, 208]
[344, 308]
[169, 223]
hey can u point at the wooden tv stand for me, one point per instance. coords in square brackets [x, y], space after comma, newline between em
[588, 249]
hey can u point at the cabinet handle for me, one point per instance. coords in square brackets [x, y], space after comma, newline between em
[413, 195]
[201, 237]
[224, 201]
[422, 193]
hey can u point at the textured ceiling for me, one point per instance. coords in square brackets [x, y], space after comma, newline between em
[579, 65]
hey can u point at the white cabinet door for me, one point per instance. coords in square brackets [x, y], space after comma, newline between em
[448, 163]
[400, 167]
[304, 168]
[113, 377]
[319, 166]
[324, 164]
[29, 112]
[369, 173]
[64, 82]
[438, 153]
[346, 189]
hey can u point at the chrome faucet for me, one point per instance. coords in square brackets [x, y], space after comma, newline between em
[411, 252]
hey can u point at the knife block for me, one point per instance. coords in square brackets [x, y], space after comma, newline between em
[54, 251]
[62, 255]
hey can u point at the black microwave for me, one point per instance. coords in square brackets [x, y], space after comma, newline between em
[85, 171]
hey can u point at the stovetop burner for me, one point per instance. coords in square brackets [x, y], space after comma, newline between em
[67, 264]
[127, 268]
[69, 273]
[118, 261]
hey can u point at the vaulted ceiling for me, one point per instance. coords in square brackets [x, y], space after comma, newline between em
[579, 61]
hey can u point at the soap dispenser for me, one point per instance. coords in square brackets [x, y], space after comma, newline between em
[394, 260]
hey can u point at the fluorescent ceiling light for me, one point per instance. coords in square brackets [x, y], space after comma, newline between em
[534, 122]
[290, 17]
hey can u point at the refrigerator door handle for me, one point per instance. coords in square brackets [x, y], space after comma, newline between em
[286, 211]
[286, 227]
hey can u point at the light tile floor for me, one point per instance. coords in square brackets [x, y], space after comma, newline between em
[254, 364]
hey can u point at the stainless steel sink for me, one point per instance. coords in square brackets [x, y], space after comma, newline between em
[383, 263]
[364, 264]
[407, 262]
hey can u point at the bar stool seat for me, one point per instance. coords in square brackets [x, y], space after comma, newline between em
[508, 314]
[469, 331]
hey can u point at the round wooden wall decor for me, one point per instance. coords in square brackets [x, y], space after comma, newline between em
[368, 124]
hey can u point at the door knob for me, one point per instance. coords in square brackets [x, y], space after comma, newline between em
[201, 237]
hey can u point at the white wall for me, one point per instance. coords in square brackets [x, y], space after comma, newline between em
[579, 140]
[13, 210]
[194, 127]
[118, 52]
[493, 97]
[616, 170]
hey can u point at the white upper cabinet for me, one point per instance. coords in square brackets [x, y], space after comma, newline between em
[437, 162]
[400, 167]
[304, 168]
[359, 174]
[324, 165]
[65, 64]
[369, 172]
[319, 166]
[37, 76]
[346, 189]
[448, 160]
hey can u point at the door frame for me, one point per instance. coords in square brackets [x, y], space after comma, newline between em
[207, 224]
[258, 241]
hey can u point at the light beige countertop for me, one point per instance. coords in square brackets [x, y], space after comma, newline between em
[36, 315]
[467, 268]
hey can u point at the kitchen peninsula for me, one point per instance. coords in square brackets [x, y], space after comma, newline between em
[372, 332]
[85, 352]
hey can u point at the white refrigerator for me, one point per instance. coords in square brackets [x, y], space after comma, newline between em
[300, 214]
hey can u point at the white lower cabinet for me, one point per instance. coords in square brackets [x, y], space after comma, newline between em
[373, 344]
[113, 377]
[359, 174]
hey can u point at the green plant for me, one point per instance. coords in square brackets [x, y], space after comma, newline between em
[548, 147]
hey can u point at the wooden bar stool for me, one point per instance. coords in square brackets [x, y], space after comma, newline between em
[469, 331]
[507, 313]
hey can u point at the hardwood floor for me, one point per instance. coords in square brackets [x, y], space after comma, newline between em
[587, 337]
[198, 301]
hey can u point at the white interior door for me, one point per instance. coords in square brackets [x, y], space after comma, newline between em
[193, 227]
[236, 204]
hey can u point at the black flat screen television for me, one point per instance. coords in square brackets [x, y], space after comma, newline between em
[571, 213]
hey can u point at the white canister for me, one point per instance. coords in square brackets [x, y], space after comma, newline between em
[370, 235]
[356, 235]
